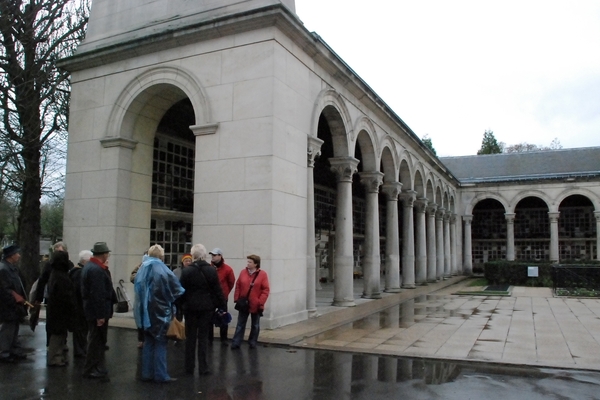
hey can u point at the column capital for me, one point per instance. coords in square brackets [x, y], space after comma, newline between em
[453, 218]
[313, 150]
[372, 180]
[408, 197]
[391, 190]
[553, 216]
[431, 208]
[439, 214]
[447, 215]
[344, 168]
[118, 142]
[597, 215]
[421, 204]
[468, 218]
[510, 217]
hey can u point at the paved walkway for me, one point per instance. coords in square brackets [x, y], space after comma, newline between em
[531, 327]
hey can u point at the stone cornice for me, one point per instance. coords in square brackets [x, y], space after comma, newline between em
[118, 142]
[200, 130]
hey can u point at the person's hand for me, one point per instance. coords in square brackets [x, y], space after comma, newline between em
[100, 322]
[18, 298]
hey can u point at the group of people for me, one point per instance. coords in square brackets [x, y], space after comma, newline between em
[198, 290]
[80, 299]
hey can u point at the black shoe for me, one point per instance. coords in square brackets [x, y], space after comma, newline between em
[18, 356]
[235, 347]
[106, 348]
[252, 346]
[168, 380]
[63, 364]
[207, 372]
[94, 375]
[8, 360]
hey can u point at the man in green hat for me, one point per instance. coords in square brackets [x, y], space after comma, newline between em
[98, 299]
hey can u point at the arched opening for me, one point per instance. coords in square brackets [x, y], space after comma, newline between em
[532, 230]
[173, 182]
[577, 229]
[488, 232]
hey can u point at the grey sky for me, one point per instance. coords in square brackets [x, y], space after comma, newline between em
[529, 70]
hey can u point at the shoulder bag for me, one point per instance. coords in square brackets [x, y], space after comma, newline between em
[243, 303]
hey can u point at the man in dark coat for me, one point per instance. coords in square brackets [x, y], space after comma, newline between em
[98, 299]
[12, 305]
[80, 326]
[202, 296]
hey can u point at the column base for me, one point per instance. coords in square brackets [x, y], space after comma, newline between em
[371, 296]
[392, 290]
[409, 286]
[313, 313]
[343, 303]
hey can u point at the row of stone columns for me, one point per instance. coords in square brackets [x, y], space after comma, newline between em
[428, 243]
[510, 238]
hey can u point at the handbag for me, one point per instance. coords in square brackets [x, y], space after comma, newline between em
[176, 330]
[243, 303]
[122, 305]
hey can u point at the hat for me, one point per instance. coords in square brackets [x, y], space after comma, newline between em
[9, 250]
[185, 256]
[216, 252]
[100, 248]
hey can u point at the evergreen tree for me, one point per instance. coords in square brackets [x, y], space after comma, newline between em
[489, 144]
[427, 142]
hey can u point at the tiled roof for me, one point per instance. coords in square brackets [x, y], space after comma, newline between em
[549, 164]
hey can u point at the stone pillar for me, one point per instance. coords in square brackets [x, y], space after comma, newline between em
[468, 256]
[510, 236]
[372, 257]
[313, 151]
[439, 230]
[343, 288]
[554, 236]
[597, 215]
[392, 240]
[431, 248]
[447, 263]
[420, 243]
[408, 240]
[454, 266]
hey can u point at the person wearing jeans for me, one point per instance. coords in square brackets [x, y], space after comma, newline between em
[253, 283]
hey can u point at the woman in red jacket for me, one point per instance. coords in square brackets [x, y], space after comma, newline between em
[252, 284]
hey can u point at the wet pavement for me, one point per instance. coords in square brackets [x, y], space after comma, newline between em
[425, 343]
[273, 372]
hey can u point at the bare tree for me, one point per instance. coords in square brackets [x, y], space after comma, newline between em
[525, 147]
[34, 100]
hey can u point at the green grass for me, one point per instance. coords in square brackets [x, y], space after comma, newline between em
[483, 293]
[478, 282]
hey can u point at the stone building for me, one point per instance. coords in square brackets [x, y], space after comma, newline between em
[229, 123]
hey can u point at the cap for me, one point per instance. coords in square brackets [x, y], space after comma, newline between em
[185, 256]
[216, 251]
[9, 250]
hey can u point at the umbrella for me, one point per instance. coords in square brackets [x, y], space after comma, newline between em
[34, 315]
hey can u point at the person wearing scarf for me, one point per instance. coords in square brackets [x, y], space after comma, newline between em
[98, 299]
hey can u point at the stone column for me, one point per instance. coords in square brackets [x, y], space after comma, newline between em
[439, 244]
[510, 236]
[343, 288]
[468, 256]
[420, 243]
[313, 151]
[372, 257]
[447, 263]
[454, 266]
[392, 240]
[597, 215]
[554, 236]
[431, 248]
[408, 240]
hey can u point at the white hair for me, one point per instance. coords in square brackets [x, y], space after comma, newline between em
[199, 252]
[84, 256]
[156, 251]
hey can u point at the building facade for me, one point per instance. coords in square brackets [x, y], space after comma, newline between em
[229, 124]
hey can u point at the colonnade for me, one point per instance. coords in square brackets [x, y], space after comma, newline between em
[510, 238]
[428, 241]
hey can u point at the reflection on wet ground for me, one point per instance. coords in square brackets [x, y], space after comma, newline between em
[289, 373]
